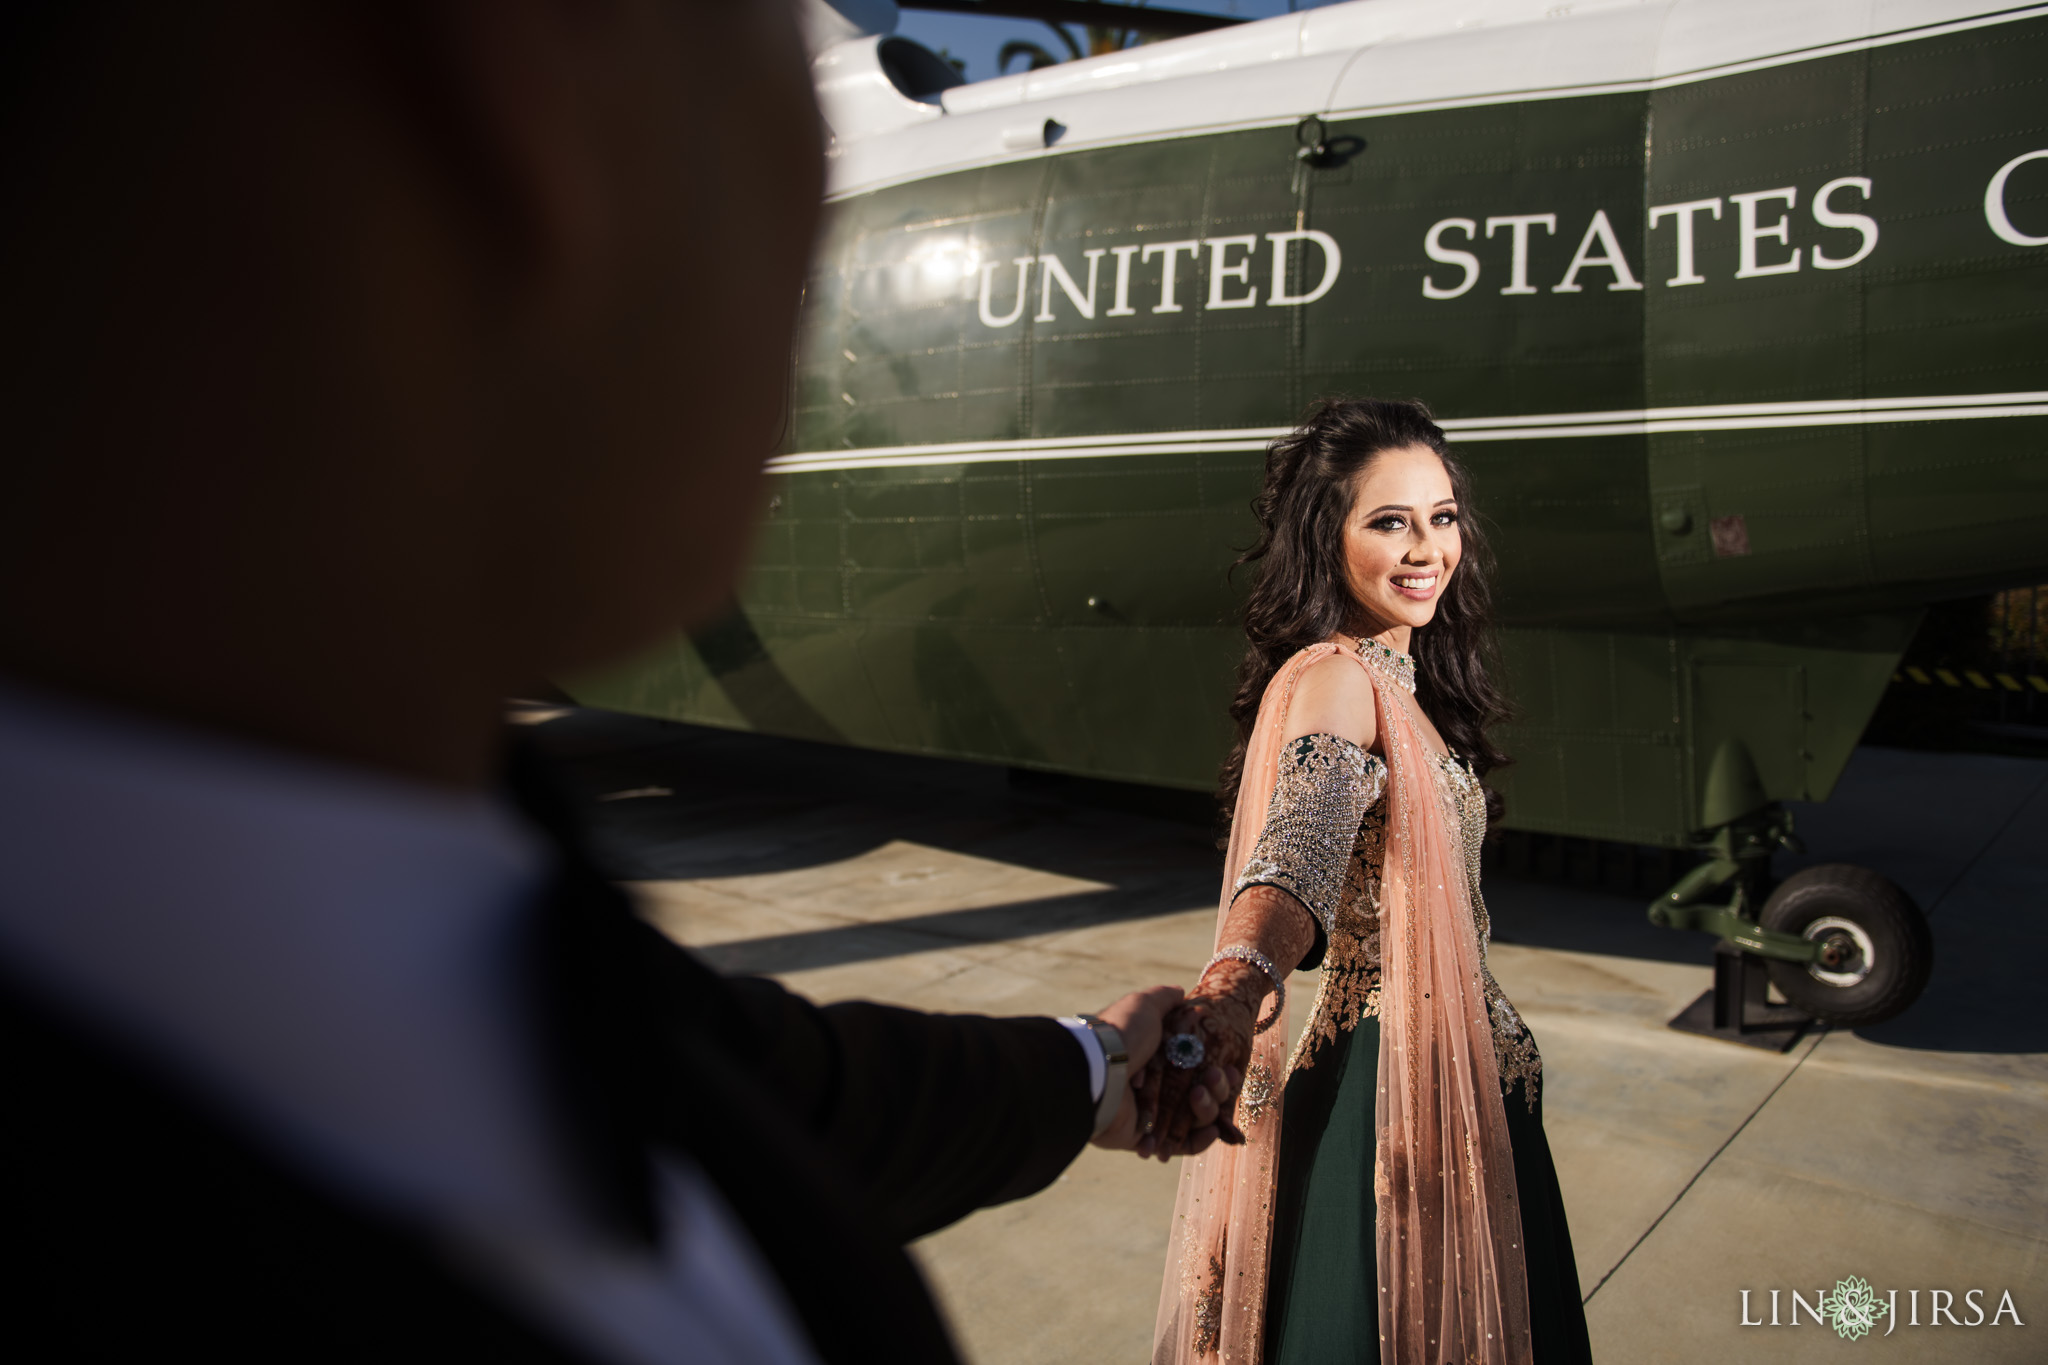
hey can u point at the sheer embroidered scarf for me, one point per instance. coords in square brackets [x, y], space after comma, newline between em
[1449, 1228]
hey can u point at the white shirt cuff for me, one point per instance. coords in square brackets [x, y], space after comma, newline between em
[1098, 1065]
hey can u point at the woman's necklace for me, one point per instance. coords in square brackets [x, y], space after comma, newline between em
[1392, 662]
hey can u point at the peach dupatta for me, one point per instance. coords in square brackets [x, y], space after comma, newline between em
[1449, 1229]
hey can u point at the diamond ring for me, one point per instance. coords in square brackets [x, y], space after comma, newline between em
[1184, 1051]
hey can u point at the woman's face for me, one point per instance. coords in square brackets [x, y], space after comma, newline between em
[1401, 540]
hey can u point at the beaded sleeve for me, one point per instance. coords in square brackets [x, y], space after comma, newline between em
[1324, 787]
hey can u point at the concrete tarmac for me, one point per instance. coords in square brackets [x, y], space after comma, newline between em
[1913, 1155]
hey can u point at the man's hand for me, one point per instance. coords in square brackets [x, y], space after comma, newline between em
[1140, 1018]
[1221, 1013]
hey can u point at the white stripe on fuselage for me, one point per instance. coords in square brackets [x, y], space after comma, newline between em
[1463, 430]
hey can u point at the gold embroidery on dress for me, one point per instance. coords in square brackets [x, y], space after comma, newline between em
[1209, 1309]
[1514, 1049]
[1352, 964]
[1350, 989]
[1323, 787]
[1257, 1094]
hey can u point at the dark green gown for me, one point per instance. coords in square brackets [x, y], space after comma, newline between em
[1320, 1306]
[1323, 842]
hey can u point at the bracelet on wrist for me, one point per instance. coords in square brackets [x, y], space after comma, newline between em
[1252, 957]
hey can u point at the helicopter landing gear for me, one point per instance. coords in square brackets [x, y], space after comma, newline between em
[1872, 949]
[1842, 944]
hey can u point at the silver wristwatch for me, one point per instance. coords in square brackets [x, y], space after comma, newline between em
[1117, 1067]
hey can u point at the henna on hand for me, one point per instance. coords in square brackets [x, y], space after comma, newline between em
[1224, 1024]
[1222, 1011]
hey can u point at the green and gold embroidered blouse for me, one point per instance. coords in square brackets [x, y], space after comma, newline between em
[1323, 843]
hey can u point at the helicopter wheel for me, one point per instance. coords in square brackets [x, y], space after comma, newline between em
[1876, 951]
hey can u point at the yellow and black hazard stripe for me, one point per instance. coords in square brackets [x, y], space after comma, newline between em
[1969, 677]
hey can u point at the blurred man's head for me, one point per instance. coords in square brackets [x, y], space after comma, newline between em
[387, 353]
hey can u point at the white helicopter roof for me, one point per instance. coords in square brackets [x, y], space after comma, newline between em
[1370, 57]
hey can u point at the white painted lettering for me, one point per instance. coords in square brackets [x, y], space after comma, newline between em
[1051, 272]
[1433, 246]
[1891, 1313]
[1122, 308]
[1970, 1297]
[1774, 1309]
[1683, 214]
[2005, 1305]
[1167, 284]
[1938, 1301]
[1745, 1293]
[1333, 260]
[1518, 270]
[1829, 218]
[1219, 253]
[1748, 234]
[1599, 231]
[1799, 1302]
[1994, 202]
[1915, 1302]
[1023, 264]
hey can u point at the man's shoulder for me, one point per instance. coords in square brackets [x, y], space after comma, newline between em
[144, 1221]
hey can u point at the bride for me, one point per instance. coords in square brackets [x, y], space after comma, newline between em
[1393, 1198]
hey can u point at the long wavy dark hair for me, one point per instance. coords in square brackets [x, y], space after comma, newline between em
[1301, 596]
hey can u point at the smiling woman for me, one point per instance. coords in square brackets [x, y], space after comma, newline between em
[1407, 1209]
[1397, 552]
[1362, 493]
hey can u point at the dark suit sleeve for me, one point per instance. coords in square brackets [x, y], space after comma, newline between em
[932, 1115]
[927, 1116]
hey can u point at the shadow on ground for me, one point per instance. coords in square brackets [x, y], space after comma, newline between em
[1965, 834]
[677, 802]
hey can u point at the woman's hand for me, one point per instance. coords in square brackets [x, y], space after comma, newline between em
[1173, 1112]
[1208, 1101]
[1221, 1013]
[1139, 1017]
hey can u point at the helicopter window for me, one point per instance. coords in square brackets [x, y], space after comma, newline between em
[916, 70]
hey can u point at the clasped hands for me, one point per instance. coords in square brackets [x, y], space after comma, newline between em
[1170, 1111]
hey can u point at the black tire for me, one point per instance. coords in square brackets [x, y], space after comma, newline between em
[1881, 949]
